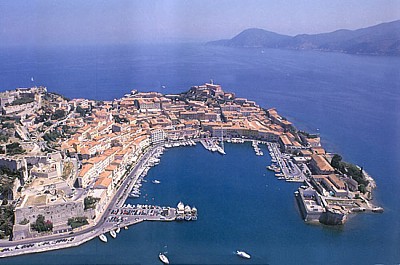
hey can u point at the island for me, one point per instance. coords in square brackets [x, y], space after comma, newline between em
[67, 166]
[382, 39]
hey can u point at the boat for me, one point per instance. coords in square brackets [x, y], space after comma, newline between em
[163, 258]
[103, 238]
[271, 168]
[156, 181]
[243, 254]
[126, 228]
[377, 210]
[113, 234]
[118, 230]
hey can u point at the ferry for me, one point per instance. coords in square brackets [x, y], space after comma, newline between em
[156, 181]
[113, 234]
[243, 254]
[103, 238]
[163, 258]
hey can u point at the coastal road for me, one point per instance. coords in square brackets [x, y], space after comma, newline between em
[101, 225]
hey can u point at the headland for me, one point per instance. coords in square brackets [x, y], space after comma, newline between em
[69, 165]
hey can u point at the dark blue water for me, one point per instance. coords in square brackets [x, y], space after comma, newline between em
[353, 101]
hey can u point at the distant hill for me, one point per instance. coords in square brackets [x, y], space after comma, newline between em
[381, 39]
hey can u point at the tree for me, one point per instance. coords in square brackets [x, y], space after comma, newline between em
[58, 114]
[336, 159]
[41, 225]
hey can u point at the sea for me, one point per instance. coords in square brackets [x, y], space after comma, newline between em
[352, 101]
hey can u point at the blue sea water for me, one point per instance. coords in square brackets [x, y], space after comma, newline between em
[353, 101]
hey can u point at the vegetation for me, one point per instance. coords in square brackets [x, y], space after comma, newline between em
[41, 225]
[118, 119]
[7, 178]
[77, 222]
[24, 222]
[6, 221]
[14, 149]
[308, 135]
[90, 202]
[7, 125]
[81, 111]
[21, 101]
[51, 136]
[352, 171]
[58, 114]
[58, 95]
[67, 169]
[4, 138]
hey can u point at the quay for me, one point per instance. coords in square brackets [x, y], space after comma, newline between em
[289, 170]
[102, 224]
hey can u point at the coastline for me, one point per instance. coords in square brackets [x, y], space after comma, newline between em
[269, 128]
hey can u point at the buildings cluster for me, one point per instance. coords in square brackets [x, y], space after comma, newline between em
[88, 162]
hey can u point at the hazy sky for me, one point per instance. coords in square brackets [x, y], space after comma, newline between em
[88, 21]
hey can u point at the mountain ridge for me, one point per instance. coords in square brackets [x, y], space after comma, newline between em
[380, 39]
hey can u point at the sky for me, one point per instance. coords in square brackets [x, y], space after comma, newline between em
[36, 22]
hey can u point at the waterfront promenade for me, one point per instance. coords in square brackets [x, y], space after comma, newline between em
[80, 236]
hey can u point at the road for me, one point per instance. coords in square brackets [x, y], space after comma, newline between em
[101, 225]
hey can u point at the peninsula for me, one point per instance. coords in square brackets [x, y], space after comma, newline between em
[67, 166]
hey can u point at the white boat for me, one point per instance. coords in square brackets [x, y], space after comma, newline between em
[118, 230]
[113, 234]
[156, 181]
[242, 254]
[163, 258]
[103, 238]
[126, 228]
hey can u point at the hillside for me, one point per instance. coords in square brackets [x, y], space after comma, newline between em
[381, 39]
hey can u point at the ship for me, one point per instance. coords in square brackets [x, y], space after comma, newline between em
[156, 181]
[243, 254]
[103, 238]
[163, 258]
[113, 234]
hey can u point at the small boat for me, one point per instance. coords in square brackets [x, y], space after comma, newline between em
[156, 181]
[118, 230]
[377, 210]
[113, 234]
[243, 254]
[126, 228]
[103, 238]
[163, 258]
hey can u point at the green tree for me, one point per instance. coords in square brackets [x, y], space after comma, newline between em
[336, 159]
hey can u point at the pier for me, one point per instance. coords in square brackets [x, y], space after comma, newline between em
[283, 166]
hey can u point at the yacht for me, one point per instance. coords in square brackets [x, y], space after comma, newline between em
[103, 238]
[113, 234]
[126, 228]
[118, 230]
[163, 258]
[156, 181]
[242, 254]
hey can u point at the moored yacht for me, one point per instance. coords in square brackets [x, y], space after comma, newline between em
[163, 258]
[118, 230]
[103, 238]
[113, 234]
